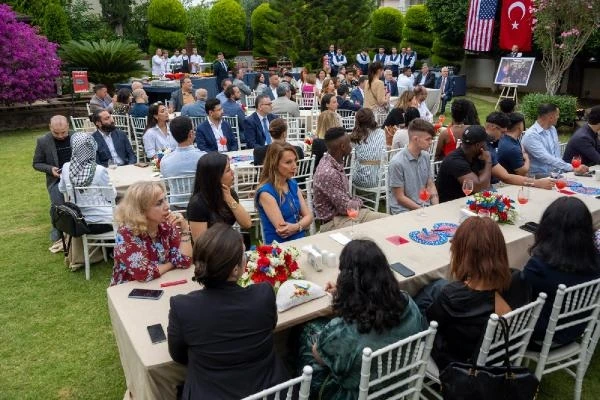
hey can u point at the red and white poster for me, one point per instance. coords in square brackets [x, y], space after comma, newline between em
[80, 82]
[515, 25]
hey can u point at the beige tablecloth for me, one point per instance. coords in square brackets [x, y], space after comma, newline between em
[149, 370]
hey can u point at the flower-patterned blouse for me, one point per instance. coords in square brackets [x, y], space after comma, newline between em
[137, 256]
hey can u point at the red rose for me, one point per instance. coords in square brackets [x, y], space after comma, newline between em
[293, 266]
[263, 262]
[472, 206]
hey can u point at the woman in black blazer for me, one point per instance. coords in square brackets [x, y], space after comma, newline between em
[224, 333]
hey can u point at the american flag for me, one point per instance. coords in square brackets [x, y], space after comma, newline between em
[480, 25]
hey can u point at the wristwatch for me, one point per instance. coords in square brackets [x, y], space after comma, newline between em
[233, 205]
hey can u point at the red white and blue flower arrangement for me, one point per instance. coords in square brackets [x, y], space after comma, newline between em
[501, 207]
[272, 264]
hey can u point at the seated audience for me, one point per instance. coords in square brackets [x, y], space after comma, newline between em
[271, 89]
[214, 134]
[148, 241]
[197, 108]
[370, 311]
[233, 108]
[329, 103]
[208, 205]
[507, 106]
[112, 143]
[425, 78]
[321, 79]
[223, 333]
[401, 138]
[585, 142]
[259, 83]
[310, 89]
[358, 93]
[225, 83]
[390, 84]
[405, 81]
[82, 171]
[563, 252]
[326, 120]
[421, 95]
[183, 160]
[283, 212]
[256, 126]
[510, 152]
[483, 285]
[369, 146]
[464, 114]
[278, 131]
[182, 96]
[101, 100]
[330, 185]
[410, 172]
[328, 87]
[375, 96]
[541, 143]
[157, 136]
[140, 107]
[342, 99]
[283, 104]
[396, 118]
[124, 98]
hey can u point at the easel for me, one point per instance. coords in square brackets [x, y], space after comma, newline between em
[508, 92]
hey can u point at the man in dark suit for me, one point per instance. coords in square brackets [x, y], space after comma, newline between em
[214, 134]
[342, 99]
[112, 142]
[271, 90]
[391, 86]
[182, 96]
[425, 77]
[446, 84]
[256, 126]
[51, 151]
[220, 69]
[358, 94]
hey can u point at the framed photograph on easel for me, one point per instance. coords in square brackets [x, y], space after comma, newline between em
[514, 71]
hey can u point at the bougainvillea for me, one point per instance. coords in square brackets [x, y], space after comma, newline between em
[29, 64]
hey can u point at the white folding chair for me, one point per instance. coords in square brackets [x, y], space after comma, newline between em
[246, 180]
[122, 122]
[309, 201]
[346, 113]
[179, 190]
[521, 322]
[197, 121]
[576, 305]
[276, 391]
[297, 128]
[305, 171]
[433, 100]
[371, 196]
[563, 147]
[380, 118]
[87, 107]
[82, 124]
[283, 115]
[306, 101]
[251, 100]
[96, 197]
[348, 123]
[432, 148]
[400, 367]
[233, 122]
[137, 129]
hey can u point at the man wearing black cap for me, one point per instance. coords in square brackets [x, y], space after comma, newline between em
[585, 141]
[471, 161]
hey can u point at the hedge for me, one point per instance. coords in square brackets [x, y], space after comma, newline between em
[264, 29]
[56, 24]
[386, 27]
[417, 17]
[417, 31]
[566, 104]
[167, 14]
[226, 26]
[162, 38]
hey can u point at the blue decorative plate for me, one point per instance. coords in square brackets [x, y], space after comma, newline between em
[446, 228]
[573, 184]
[430, 239]
[239, 159]
[586, 190]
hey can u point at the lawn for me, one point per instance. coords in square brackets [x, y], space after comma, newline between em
[57, 340]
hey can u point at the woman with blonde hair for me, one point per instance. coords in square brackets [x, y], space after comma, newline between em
[150, 240]
[375, 96]
[326, 120]
[328, 87]
[369, 146]
[283, 212]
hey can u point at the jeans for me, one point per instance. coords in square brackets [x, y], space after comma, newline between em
[56, 198]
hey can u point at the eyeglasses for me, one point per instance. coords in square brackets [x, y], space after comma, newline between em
[267, 104]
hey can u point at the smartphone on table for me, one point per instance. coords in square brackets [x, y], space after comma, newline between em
[148, 294]
[157, 333]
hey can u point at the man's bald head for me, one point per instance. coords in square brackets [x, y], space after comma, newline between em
[136, 85]
[201, 94]
[59, 127]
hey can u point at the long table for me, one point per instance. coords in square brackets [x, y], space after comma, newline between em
[152, 374]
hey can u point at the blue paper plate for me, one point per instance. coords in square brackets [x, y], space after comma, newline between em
[586, 190]
[447, 228]
[431, 239]
[573, 184]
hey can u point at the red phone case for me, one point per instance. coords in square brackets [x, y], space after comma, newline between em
[397, 240]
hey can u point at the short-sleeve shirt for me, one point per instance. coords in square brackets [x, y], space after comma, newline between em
[198, 211]
[510, 154]
[453, 167]
[410, 173]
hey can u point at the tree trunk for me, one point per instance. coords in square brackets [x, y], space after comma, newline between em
[119, 30]
[553, 79]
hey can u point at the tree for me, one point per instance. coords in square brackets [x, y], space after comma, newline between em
[56, 24]
[306, 28]
[448, 23]
[29, 65]
[264, 30]
[116, 13]
[167, 23]
[561, 30]
[386, 27]
[197, 29]
[81, 18]
[249, 6]
[226, 28]
[417, 31]
[136, 28]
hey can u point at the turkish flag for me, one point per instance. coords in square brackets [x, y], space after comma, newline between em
[515, 25]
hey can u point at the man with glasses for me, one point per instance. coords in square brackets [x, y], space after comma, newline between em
[214, 134]
[256, 126]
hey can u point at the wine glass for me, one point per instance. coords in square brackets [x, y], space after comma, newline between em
[560, 183]
[576, 162]
[467, 187]
[352, 210]
[522, 199]
[424, 197]
[441, 119]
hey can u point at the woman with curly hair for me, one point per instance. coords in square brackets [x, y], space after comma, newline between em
[370, 311]
[464, 114]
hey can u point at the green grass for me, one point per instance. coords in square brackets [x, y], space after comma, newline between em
[55, 332]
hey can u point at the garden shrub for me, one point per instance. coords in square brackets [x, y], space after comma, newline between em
[566, 104]
[226, 25]
[56, 24]
[167, 23]
[264, 29]
[417, 31]
[386, 27]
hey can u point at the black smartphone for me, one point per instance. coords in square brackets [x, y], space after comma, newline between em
[157, 333]
[402, 269]
[530, 227]
[586, 174]
[149, 294]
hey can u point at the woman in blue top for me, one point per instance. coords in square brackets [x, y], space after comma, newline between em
[283, 212]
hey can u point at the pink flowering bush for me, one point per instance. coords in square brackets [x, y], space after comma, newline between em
[29, 64]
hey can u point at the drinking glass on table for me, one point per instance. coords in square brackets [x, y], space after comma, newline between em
[555, 173]
[112, 164]
[576, 162]
[484, 212]
[352, 210]
[424, 196]
[560, 183]
[467, 187]
[522, 199]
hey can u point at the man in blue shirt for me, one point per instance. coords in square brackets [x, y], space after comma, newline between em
[232, 108]
[510, 153]
[541, 143]
[197, 108]
[140, 107]
[585, 141]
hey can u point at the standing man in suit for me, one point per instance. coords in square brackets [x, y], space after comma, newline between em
[330, 55]
[446, 85]
[112, 142]
[391, 86]
[358, 95]
[220, 69]
[214, 134]
[271, 90]
[363, 60]
[256, 126]
[51, 151]
[425, 77]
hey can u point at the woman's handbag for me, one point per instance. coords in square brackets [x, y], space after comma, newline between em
[68, 219]
[464, 381]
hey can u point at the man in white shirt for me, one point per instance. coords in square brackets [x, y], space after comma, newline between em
[381, 56]
[405, 81]
[176, 61]
[271, 90]
[394, 62]
[410, 58]
[167, 67]
[363, 60]
[421, 96]
[195, 60]
[339, 61]
[183, 160]
[157, 63]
